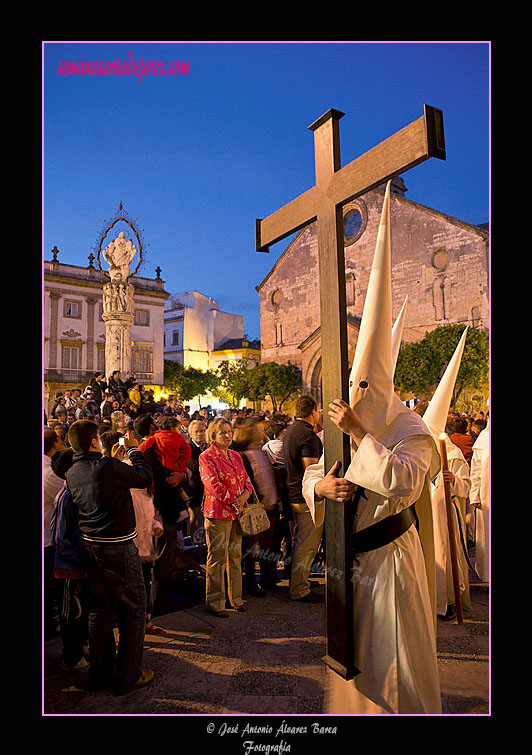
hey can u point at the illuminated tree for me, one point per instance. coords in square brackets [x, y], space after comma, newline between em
[420, 365]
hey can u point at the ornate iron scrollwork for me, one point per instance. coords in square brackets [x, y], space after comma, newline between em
[122, 214]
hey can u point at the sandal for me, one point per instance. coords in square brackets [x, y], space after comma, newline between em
[151, 628]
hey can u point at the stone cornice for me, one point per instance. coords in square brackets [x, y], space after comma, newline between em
[97, 279]
[56, 291]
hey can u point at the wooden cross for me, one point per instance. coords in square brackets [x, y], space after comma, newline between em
[422, 139]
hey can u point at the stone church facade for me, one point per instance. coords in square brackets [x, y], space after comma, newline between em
[440, 262]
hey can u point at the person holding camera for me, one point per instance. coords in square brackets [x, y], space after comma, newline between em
[100, 488]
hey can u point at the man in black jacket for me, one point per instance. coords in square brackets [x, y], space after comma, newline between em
[196, 432]
[100, 487]
[117, 387]
[98, 386]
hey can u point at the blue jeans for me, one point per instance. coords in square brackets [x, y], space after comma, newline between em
[115, 583]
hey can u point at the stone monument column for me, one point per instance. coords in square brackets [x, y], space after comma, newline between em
[118, 296]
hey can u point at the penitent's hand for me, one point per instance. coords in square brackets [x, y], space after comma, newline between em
[448, 476]
[334, 488]
[346, 420]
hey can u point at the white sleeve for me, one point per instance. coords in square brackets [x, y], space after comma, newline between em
[399, 473]
[476, 468]
[314, 473]
[462, 480]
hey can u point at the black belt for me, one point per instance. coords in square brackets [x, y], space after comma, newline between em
[383, 532]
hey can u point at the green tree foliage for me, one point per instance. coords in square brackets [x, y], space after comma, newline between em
[278, 381]
[234, 379]
[420, 365]
[188, 382]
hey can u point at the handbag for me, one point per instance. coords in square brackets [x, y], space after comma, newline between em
[253, 518]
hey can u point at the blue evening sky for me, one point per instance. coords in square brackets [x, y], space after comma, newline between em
[195, 158]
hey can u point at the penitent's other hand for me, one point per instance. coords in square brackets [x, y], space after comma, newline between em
[334, 488]
[345, 418]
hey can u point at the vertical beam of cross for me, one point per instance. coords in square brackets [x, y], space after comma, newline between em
[335, 375]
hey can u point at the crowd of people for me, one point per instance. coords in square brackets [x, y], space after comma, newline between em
[142, 476]
[119, 503]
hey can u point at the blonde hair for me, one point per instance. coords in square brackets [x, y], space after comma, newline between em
[214, 427]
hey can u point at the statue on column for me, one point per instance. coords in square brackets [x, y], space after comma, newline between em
[118, 304]
[119, 254]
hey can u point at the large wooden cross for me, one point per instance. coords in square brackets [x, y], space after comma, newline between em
[334, 187]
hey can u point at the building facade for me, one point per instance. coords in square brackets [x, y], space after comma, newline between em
[74, 330]
[441, 263]
[236, 350]
[195, 327]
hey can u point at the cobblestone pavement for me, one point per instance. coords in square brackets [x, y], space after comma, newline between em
[264, 661]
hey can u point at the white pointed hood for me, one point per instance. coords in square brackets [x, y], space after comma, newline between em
[435, 416]
[397, 333]
[371, 386]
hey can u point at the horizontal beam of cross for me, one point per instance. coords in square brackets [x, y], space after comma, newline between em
[405, 149]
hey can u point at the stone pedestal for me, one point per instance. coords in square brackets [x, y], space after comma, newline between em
[118, 316]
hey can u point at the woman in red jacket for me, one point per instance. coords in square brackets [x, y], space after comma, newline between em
[227, 486]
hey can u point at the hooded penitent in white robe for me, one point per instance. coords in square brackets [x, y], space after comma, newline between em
[480, 493]
[460, 490]
[395, 644]
[435, 417]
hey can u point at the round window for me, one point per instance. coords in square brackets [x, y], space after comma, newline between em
[277, 297]
[354, 223]
[440, 260]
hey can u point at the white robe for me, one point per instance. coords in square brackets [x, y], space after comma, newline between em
[480, 493]
[444, 579]
[144, 519]
[395, 643]
[145, 516]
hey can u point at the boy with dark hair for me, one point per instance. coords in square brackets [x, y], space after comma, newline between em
[100, 488]
[81, 435]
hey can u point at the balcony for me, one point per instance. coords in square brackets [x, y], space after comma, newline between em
[62, 375]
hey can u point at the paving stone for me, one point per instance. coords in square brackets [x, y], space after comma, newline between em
[249, 679]
[308, 705]
[260, 703]
[267, 660]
